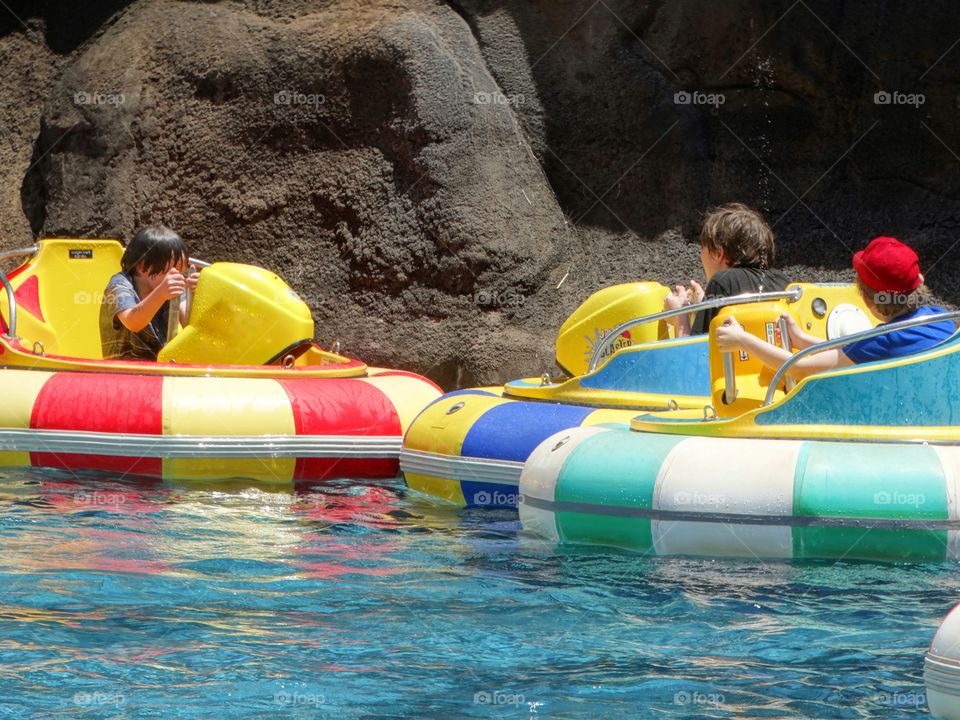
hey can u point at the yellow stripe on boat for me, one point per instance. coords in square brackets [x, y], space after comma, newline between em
[408, 394]
[441, 429]
[20, 391]
[235, 406]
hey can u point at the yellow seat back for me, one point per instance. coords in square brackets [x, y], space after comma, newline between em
[820, 302]
[751, 377]
[59, 291]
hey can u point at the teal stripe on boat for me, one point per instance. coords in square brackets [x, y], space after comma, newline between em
[612, 469]
[838, 479]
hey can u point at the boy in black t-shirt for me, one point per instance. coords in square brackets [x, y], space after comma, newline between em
[737, 251]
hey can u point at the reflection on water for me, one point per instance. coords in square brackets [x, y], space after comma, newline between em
[359, 600]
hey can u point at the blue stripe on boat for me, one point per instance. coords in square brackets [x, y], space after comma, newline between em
[668, 368]
[512, 430]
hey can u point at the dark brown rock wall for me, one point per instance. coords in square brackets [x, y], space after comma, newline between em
[425, 174]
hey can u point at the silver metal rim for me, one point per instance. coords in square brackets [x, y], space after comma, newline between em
[455, 467]
[942, 673]
[200, 446]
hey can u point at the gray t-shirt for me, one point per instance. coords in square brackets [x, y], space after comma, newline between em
[117, 341]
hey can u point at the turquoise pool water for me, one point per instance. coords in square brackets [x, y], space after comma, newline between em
[363, 601]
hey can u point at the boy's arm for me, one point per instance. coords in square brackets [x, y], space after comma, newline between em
[677, 298]
[139, 316]
[732, 337]
[799, 338]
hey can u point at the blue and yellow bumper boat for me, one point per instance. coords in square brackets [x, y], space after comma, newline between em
[469, 446]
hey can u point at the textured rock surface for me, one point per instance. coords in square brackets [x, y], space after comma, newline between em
[425, 174]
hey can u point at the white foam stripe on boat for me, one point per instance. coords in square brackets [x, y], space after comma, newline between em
[700, 476]
[194, 446]
[949, 457]
[540, 475]
[455, 467]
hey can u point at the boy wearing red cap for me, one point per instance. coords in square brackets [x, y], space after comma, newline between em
[888, 275]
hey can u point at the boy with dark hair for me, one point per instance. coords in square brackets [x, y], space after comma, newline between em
[135, 308]
[737, 252]
[888, 275]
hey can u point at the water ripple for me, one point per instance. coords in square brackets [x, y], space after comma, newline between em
[359, 600]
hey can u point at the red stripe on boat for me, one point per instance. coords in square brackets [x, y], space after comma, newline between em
[28, 297]
[341, 406]
[94, 402]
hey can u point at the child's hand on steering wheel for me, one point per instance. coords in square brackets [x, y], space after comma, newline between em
[730, 335]
[172, 285]
[193, 278]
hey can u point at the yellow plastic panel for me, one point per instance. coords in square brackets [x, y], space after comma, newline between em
[825, 298]
[609, 415]
[752, 376]
[67, 278]
[600, 313]
[241, 315]
[20, 391]
[227, 406]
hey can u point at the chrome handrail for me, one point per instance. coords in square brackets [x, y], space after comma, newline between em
[792, 295]
[196, 261]
[18, 252]
[11, 299]
[855, 337]
[11, 307]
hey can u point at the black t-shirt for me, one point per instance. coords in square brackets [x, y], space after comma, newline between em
[736, 281]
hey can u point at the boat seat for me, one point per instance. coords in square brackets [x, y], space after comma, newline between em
[59, 291]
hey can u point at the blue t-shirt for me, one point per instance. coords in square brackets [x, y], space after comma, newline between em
[902, 342]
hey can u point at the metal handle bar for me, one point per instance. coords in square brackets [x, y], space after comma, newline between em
[855, 337]
[792, 295]
[11, 300]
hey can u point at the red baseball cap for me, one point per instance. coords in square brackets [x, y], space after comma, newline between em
[887, 265]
